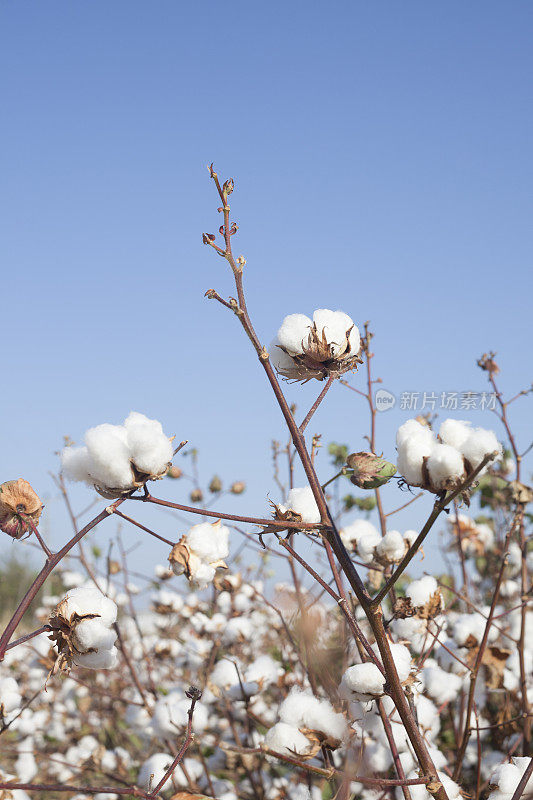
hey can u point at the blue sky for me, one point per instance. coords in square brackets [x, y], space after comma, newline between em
[383, 165]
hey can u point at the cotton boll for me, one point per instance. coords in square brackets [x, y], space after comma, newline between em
[480, 443]
[83, 601]
[224, 674]
[411, 430]
[506, 777]
[411, 454]
[91, 633]
[335, 325]
[209, 542]
[279, 358]
[156, 765]
[102, 659]
[454, 432]
[110, 456]
[441, 686]
[287, 740]
[302, 502]
[351, 533]
[421, 591]
[362, 682]
[445, 466]
[264, 670]
[76, 464]
[303, 709]
[150, 450]
[294, 332]
[10, 698]
[366, 545]
[402, 660]
[391, 547]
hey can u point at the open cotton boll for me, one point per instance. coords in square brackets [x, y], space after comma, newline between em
[303, 709]
[293, 332]
[287, 740]
[224, 674]
[421, 591]
[302, 502]
[83, 601]
[411, 454]
[157, 766]
[335, 326]
[351, 533]
[278, 357]
[150, 450]
[76, 464]
[480, 443]
[209, 542]
[110, 456]
[445, 466]
[362, 682]
[402, 660]
[419, 791]
[101, 659]
[391, 547]
[454, 432]
[366, 544]
[91, 633]
[440, 685]
[412, 429]
[506, 777]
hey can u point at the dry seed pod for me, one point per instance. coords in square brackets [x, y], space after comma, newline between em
[19, 505]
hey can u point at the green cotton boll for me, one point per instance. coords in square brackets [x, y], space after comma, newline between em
[370, 471]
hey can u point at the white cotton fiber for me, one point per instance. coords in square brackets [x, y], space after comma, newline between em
[335, 326]
[102, 659]
[421, 591]
[157, 766]
[362, 682]
[392, 547]
[279, 358]
[402, 660]
[150, 450]
[91, 633]
[287, 740]
[445, 466]
[480, 443]
[209, 542]
[294, 333]
[414, 443]
[302, 709]
[110, 457]
[366, 544]
[302, 502]
[412, 429]
[76, 463]
[454, 432]
[351, 533]
[84, 601]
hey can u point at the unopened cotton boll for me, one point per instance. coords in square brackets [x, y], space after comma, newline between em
[293, 332]
[445, 467]
[302, 502]
[362, 682]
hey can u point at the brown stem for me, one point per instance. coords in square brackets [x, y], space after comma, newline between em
[315, 405]
[183, 749]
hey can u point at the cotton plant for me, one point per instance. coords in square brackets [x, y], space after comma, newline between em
[443, 463]
[117, 459]
[328, 345]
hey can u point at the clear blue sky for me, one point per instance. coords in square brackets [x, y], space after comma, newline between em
[383, 165]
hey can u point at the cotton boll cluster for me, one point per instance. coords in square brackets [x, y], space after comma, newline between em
[117, 459]
[438, 465]
[328, 345]
[506, 777]
[200, 552]
[81, 629]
